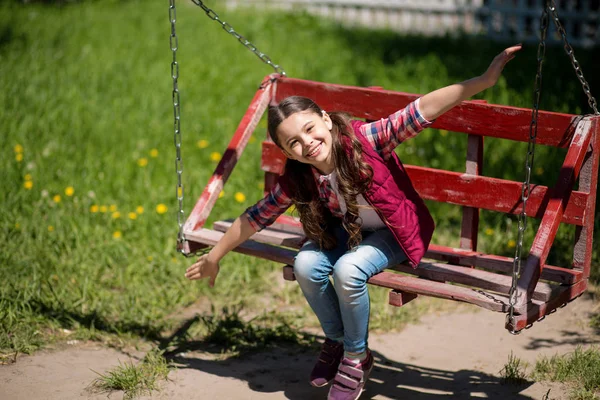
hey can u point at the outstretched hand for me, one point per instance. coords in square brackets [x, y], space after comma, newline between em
[495, 69]
[203, 268]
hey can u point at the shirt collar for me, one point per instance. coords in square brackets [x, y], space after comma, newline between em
[320, 179]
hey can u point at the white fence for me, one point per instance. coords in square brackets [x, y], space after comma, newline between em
[510, 20]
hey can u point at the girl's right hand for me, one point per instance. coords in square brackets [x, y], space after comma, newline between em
[203, 268]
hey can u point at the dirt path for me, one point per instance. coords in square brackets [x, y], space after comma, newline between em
[455, 356]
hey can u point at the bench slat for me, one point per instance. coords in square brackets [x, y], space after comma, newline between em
[437, 252]
[472, 117]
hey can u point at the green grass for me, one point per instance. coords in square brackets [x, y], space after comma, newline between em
[580, 368]
[87, 154]
[134, 379]
[514, 371]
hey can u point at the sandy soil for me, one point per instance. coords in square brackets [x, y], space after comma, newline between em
[454, 356]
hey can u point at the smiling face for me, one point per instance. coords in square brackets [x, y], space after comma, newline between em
[305, 136]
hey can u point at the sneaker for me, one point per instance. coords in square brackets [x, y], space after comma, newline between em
[327, 364]
[351, 378]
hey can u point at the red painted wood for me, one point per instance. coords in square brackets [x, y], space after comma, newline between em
[554, 212]
[470, 217]
[288, 273]
[398, 298]
[209, 196]
[539, 310]
[554, 129]
[588, 183]
[476, 191]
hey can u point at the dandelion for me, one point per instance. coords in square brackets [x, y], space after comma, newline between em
[103, 209]
[116, 215]
[215, 156]
[132, 215]
[443, 132]
[240, 197]
[19, 157]
[27, 177]
[139, 209]
[17, 226]
[112, 208]
[142, 162]
[161, 208]
[489, 231]
[149, 258]
[56, 198]
[222, 193]
[69, 191]
[18, 148]
[117, 234]
[202, 144]
[174, 260]
[28, 185]
[511, 243]
[45, 193]
[94, 208]
[154, 153]
[50, 228]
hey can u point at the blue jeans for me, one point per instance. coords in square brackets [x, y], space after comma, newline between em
[343, 307]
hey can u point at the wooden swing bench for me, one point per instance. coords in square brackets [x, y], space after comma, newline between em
[463, 273]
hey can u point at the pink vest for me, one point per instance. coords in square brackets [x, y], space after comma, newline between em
[400, 206]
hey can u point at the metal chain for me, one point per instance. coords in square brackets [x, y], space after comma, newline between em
[229, 29]
[526, 187]
[571, 54]
[177, 126]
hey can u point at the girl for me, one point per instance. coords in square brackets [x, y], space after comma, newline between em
[359, 211]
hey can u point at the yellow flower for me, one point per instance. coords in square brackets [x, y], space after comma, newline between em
[142, 162]
[443, 132]
[511, 243]
[116, 215]
[161, 208]
[117, 234]
[50, 228]
[139, 209]
[28, 185]
[261, 185]
[27, 177]
[202, 144]
[112, 208]
[154, 153]
[103, 209]
[132, 215]
[489, 231]
[149, 258]
[19, 157]
[18, 148]
[215, 156]
[56, 198]
[69, 191]
[17, 226]
[240, 197]
[94, 208]
[222, 193]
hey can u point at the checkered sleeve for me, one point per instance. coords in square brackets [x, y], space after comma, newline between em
[266, 211]
[387, 133]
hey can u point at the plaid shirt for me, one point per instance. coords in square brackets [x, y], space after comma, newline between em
[384, 135]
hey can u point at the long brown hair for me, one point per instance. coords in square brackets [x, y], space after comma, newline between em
[353, 173]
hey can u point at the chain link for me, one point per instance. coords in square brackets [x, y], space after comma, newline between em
[177, 125]
[229, 29]
[526, 187]
[574, 62]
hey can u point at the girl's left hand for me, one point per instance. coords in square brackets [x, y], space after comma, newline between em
[494, 71]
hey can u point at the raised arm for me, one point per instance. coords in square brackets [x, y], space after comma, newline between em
[436, 103]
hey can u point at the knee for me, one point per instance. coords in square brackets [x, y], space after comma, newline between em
[348, 277]
[308, 266]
